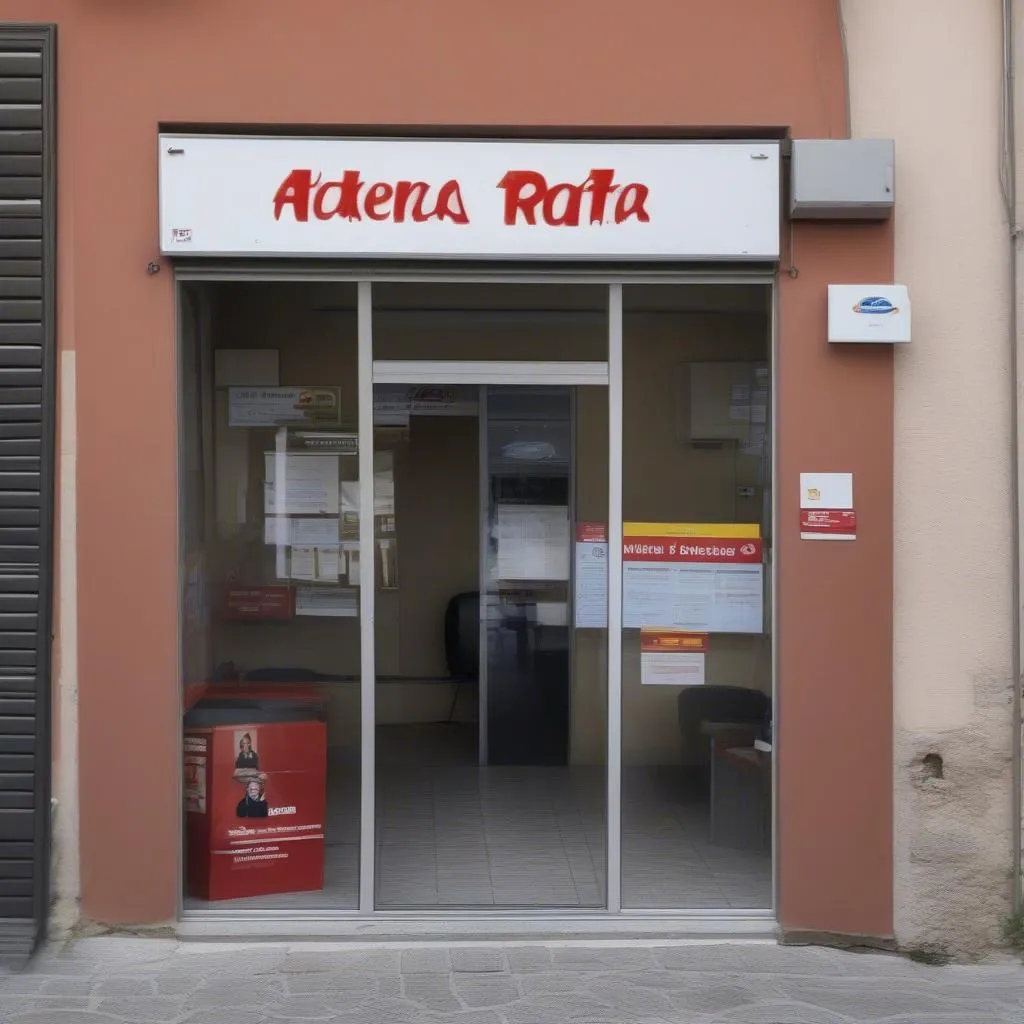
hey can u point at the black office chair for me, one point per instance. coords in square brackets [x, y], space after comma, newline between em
[462, 642]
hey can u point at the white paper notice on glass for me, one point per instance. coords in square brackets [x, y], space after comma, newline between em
[321, 531]
[315, 565]
[591, 603]
[384, 493]
[532, 542]
[755, 444]
[675, 668]
[309, 485]
[701, 597]
[264, 407]
[327, 602]
[352, 564]
[350, 497]
[826, 490]
[283, 405]
[303, 564]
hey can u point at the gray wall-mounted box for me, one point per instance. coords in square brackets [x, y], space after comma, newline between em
[842, 179]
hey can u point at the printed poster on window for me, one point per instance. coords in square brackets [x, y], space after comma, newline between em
[284, 406]
[670, 657]
[703, 578]
[591, 566]
[696, 577]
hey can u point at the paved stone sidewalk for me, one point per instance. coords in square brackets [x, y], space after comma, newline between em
[114, 980]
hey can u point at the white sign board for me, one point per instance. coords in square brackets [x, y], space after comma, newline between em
[866, 313]
[283, 406]
[244, 196]
[826, 490]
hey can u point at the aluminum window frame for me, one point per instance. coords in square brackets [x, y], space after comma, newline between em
[435, 922]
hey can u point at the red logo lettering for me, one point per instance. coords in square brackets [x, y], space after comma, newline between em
[528, 199]
[351, 198]
[529, 196]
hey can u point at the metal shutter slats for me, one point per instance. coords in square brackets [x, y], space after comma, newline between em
[19, 378]
[21, 90]
[20, 287]
[20, 499]
[26, 457]
[21, 115]
[18, 248]
[21, 187]
[21, 165]
[21, 268]
[21, 64]
[19, 445]
[19, 142]
[20, 355]
[20, 310]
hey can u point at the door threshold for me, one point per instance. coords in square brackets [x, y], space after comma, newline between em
[654, 927]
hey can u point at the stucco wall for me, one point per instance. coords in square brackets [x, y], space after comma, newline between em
[928, 73]
[127, 67]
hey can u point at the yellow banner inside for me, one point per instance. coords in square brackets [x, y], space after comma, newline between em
[732, 530]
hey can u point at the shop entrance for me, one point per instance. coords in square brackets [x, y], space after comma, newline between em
[494, 798]
[509, 541]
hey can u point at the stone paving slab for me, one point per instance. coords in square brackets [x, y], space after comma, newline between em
[158, 981]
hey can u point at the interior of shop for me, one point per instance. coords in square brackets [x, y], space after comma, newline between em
[490, 509]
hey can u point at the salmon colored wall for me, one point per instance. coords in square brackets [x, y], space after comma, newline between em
[125, 66]
[835, 414]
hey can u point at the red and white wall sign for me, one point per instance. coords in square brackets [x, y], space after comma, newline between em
[247, 196]
[828, 524]
[826, 507]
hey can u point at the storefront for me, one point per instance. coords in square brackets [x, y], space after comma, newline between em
[568, 325]
[541, 646]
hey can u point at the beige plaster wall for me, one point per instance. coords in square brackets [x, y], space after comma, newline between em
[927, 73]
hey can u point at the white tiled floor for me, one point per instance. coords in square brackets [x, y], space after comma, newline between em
[455, 835]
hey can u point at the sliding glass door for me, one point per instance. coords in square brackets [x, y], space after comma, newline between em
[490, 692]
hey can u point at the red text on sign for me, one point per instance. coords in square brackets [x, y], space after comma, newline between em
[528, 193]
[698, 549]
[351, 198]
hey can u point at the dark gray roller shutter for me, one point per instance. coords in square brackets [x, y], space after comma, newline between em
[27, 414]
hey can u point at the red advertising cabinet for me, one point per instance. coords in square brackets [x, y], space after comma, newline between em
[255, 769]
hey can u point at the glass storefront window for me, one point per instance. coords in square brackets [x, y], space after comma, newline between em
[271, 597]
[696, 642]
[489, 780]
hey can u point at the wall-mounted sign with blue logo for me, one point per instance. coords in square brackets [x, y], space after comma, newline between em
[865, 314]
